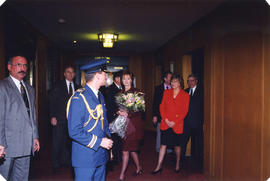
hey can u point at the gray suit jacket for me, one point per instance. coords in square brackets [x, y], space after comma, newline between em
[17, 129]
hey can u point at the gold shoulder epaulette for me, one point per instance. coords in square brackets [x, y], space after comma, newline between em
[80, 90]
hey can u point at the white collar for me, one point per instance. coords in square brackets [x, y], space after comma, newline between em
[67, 81]
[16, 81]
[119, 87]
[165, 86]
[94, 90]
[194, 88]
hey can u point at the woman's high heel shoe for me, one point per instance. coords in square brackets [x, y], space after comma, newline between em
[138, 173]
[157, 171]
[122, 179]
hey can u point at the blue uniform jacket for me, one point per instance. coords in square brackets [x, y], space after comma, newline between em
[85, 131]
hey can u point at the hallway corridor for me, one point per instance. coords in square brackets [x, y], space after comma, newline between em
[41, 167]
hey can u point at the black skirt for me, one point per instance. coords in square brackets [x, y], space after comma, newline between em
[170, 138]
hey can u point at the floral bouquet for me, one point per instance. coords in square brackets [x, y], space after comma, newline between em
[127, 101]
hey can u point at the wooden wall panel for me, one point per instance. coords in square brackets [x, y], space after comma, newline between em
[265, 156]
[41, 93]
[135, 66]
[242, 106]
[186, 68]
[237, 75]
[214, 110]
[148, 84]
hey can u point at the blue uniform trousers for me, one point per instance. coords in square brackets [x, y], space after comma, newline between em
[90, 174]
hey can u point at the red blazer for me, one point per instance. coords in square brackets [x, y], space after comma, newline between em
[174, 110]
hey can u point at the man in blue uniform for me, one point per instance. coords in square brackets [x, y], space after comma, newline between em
[88, 125]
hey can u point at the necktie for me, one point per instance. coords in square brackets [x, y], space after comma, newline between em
[25, 99]
[167, 87]
[191, 92]
[70, 90]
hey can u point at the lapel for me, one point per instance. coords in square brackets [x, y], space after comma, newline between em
[162, 88]
[196, 92]
[115, 87]
[19, 98]
[65, 87]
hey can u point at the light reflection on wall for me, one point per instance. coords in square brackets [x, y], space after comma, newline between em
[109, 79]
[31, 73]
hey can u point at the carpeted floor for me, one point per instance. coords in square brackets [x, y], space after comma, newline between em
[41, 167]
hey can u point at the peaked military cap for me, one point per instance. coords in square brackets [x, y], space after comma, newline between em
[94, 66]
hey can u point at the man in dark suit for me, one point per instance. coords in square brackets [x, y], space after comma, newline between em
[112, 108]
[18, 127]
[61, 143]
[166, 79]
[193, 123]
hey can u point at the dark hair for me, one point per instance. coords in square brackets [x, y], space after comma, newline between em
[194, 76]
[117, 74]
[127, 72]
[69, 66]
[180, 79]
[13, 56]
[165, 74]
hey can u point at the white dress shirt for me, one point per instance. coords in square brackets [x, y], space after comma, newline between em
[17, 83]
[193, 90]
[167, 87]
[72, 85]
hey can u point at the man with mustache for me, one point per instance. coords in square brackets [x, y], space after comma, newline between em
[18, 129]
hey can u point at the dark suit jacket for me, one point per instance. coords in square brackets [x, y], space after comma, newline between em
[157, 100]
[194, 118]
[111, 105]
[58, 100]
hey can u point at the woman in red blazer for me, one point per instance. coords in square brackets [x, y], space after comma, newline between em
[173, 110]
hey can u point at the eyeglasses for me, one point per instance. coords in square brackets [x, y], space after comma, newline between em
[191, 80]
[20, 65]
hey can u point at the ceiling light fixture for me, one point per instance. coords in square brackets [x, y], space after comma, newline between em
[62, 21]
[107, 40]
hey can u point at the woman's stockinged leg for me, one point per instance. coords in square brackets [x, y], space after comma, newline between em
[136, 160]
[177, 150]
[162, 152]
[125, 158]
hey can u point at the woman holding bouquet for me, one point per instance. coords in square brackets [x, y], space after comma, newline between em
[134, 130]
[173, 110]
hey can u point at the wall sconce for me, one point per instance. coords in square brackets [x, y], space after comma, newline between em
[107, 40]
